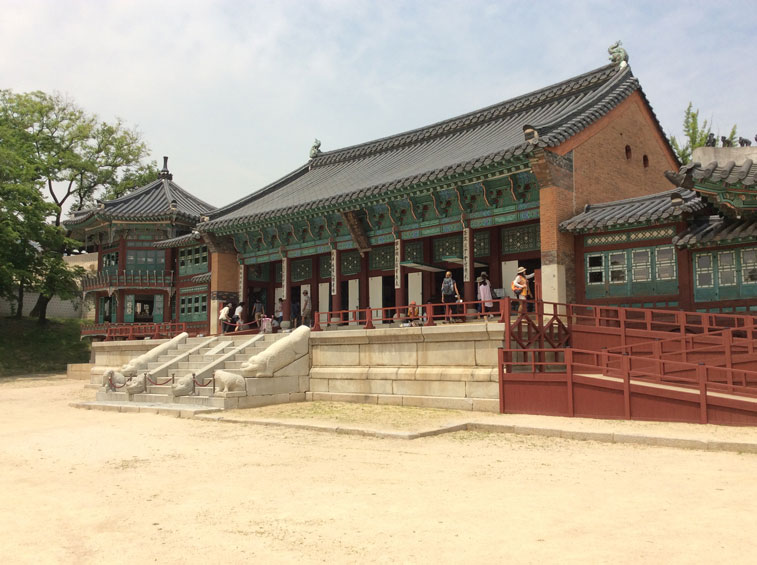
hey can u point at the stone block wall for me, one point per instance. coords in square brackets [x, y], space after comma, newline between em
[445, 366]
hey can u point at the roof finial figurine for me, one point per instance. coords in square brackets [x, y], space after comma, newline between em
[711, 141]
[618, 55]
[316, 149]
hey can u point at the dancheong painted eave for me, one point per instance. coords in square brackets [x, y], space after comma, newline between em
[487, 140]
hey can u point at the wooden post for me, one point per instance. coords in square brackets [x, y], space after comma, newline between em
[626, 366]
[569, 379]
[702, 376]
[368, 319]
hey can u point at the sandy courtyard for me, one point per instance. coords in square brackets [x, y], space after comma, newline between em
[85, 486]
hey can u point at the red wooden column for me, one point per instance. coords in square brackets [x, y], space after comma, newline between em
[336, 287]
[429, 289]
[286, 285]
[495, 259]
[400, 291]
[363, 299]
[469, 280]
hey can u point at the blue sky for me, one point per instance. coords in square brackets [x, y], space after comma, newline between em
[235, 92]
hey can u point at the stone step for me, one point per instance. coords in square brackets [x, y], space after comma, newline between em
[103, 395]
[191, 365]
[233, 366]
[146, 397]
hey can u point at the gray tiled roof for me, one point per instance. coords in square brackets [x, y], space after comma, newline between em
[730, 173]
[493, 134]
[717, 229]
[655, 208]
[151, 202]
[185, 239]
[203, 278]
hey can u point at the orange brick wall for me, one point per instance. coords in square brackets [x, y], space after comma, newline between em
[601, 172]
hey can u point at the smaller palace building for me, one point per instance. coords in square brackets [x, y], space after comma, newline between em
[140, 279]
[568, 181]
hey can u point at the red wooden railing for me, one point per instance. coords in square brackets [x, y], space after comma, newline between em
[134, 331]
[603, 375]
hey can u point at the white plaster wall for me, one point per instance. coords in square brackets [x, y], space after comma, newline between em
[553, 283]
[509, 271]
[353, 296]
[415, 288]
[375, 295]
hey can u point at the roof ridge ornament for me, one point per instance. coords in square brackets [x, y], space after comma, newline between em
[315, 150]
[164, 172]
[618, 55]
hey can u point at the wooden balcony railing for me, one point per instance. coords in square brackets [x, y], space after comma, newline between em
[128, 279]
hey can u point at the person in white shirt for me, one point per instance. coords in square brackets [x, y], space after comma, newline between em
[224, 318]
[237, 319]
[521, 289]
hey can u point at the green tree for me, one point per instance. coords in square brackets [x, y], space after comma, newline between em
[70, 158]
[695, 135]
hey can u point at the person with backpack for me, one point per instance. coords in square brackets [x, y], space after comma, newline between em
[450, 294]
[521, 289]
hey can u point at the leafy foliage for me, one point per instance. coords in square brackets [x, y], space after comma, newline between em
[53, 154]
[695, 135]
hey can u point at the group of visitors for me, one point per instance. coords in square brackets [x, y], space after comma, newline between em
[299, 314]
[451, 294]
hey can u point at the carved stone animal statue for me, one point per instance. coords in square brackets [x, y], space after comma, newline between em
[184, 386]
[139, 364]
[725, 141]
[315, 150]
[711, 141]
[618, 55]
[113, 379]
[227, 381]
[137, 384]
[744, 142]
[279, 355]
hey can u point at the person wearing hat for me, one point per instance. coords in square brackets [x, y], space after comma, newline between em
[520, 288]
[485, 293]
[413, 316]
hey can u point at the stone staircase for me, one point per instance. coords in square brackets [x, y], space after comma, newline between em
[201, 356]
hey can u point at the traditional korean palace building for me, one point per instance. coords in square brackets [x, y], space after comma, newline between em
[568, 181]
[140, 280]
[693, 247]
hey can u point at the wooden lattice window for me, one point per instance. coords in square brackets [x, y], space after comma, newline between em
[727, 268]
[641, 265]
[302, 270]
[481, 244]
[704, 270]
[665, 263]
[595, 269]
[749, 265]
[414, 251]
[448, 247]
[350, 263]
[324, 266]
[522, 238]
[381, 258]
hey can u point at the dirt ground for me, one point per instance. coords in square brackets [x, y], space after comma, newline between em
[85, 486]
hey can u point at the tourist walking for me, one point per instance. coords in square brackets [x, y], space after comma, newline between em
[278, 311]
[224, 318]
[521, 289]
[485, 294]
[307, 308]
[450, 294]
[258, 311]
[237, 318]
